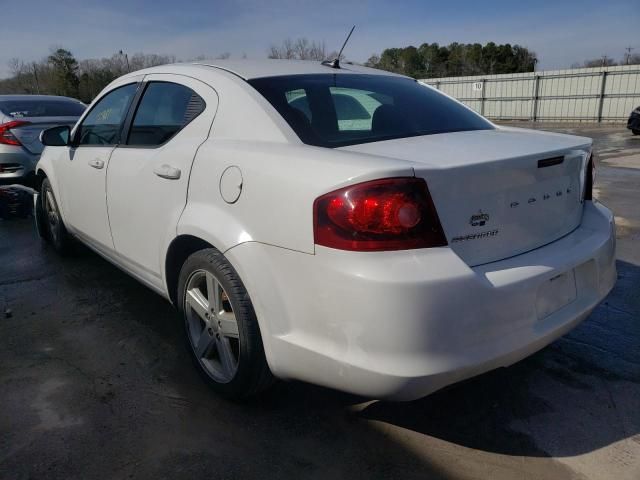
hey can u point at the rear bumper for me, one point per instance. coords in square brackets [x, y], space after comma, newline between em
[16, 164]
[401, 325]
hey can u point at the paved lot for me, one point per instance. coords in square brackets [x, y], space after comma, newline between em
[95, 383]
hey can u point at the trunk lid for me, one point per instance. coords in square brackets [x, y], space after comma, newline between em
[499, 192]
[29, 135]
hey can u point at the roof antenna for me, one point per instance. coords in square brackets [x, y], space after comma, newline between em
[335, 63]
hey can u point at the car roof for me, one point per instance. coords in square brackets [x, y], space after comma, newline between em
[13, 98]
[250, 69]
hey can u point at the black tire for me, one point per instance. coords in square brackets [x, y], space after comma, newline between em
[40, 219]
[635, 131]
[251, 375]
[49, 221]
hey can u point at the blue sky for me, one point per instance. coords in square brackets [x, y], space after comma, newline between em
[560, 32]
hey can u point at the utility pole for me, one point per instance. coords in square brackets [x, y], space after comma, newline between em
[627, 55]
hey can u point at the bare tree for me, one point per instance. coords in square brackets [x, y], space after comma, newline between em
[274, 52]
[286, 50]
[317, 51]
[25, 77]
[16, 66]
[223, 56]
[300, 49]
[603, 61]
[373, 61]
[142, 60]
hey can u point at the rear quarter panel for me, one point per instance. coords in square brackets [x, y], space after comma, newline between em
[279, 185]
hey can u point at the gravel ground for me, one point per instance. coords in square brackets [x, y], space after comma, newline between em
[95, 383]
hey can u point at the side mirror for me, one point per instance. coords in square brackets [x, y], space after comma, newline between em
[55, 136]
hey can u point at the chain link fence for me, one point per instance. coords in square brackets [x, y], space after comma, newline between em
[604, 94]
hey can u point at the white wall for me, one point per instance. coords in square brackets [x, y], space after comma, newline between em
[563, 95]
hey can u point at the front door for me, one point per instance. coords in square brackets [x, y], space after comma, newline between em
[84, 170]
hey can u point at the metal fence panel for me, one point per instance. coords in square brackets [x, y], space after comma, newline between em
[584, 94]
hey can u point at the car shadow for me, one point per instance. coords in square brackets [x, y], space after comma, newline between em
[98, 381]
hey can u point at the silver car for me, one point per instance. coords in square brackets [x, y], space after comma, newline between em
[22, 118]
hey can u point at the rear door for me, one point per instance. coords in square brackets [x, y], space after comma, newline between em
[148, 173]
[82, 169]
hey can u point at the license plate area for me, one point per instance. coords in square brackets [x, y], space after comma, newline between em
[556, 293]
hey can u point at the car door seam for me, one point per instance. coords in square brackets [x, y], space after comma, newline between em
[195, 156]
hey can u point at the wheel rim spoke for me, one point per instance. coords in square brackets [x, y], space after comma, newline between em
[49, 200]
[227, 360]
[213, 293]
[50, 208]
[205, 342]
[227, 324]
[198, 303]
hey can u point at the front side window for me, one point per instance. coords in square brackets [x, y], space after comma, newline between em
[165, 109]
[103, 124]
[335, 110]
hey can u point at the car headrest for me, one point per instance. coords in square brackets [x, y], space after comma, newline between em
[300, 123]
[387, 119]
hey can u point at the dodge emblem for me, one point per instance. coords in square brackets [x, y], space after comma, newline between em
[479, 219]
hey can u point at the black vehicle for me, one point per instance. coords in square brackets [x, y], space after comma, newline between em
[634, 121]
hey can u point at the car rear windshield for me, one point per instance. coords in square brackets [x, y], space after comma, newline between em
[42, 108]
[335, 110]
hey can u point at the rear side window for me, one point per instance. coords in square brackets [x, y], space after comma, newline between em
[165, 109]
[334, 110]
[42, 108]
[103, 124]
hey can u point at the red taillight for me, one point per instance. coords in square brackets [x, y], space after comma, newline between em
[589, 177]
[8, 138]
[389, 214]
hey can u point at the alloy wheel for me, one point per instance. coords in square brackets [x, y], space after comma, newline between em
[212, 326]
[51, 211]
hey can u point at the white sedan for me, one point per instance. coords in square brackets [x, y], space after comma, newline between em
[343, 226]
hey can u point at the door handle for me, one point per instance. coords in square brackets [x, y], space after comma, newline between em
[96, 163]
[167, 171]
